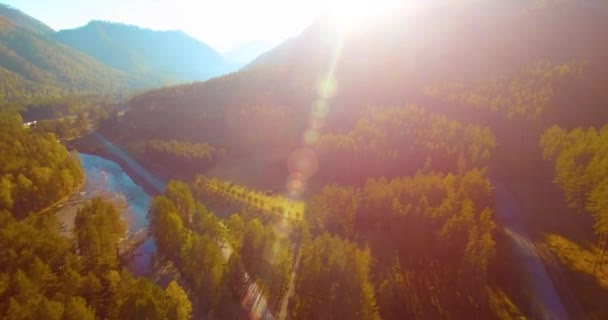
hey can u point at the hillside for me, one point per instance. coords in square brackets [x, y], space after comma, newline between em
[399, 61]
[101, 58]
[34, 65]
[169, 56]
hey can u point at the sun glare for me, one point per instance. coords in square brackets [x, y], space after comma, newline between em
[350, 14]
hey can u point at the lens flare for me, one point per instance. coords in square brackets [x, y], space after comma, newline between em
[296, 184]
[303, 161]
[326, 87]
[320, 108]
[311, 137]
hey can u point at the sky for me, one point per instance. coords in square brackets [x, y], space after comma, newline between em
[222, 24]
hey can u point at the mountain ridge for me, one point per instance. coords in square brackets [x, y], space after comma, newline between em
[102, 58]
[134, 49]
[35, 66]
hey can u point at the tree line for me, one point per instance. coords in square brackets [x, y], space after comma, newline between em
[226, 191]
[183, 155]
[580, 160]
[222, 261]
[427, 242]
[400, 141]
[35, 169]
[526, 95]
[45, 275]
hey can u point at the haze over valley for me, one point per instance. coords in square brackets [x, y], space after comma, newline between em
[389, 160]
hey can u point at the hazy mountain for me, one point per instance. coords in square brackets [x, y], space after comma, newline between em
[33, 64]
[171, 56]
[514, 35]
[247, 52]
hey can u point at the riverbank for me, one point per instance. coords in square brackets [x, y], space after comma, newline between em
[94, 144]
[65, 199]
[66, 212]
[107, 179]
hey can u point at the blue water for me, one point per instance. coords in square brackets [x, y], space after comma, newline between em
[106, 178]
[143, 173]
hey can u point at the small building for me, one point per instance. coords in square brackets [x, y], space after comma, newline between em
[29, 124]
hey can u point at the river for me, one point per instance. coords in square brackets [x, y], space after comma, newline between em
[106, 178]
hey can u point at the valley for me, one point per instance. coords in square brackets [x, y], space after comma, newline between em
[449, 162]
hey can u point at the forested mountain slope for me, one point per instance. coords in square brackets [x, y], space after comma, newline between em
[101, 58]
[35, 65]
[528, 61]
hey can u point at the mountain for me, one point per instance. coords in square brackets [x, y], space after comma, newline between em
[100, 58]
[171, 56]
[402, 55]
[34, 65]
[529, 61]
[246, 53]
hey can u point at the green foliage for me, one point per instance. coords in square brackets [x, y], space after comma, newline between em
[271, 205]
[166, 226]
[431, 235]
[35, 169]
[43, 275]
[178, 305]
[179, 193]
[179, 154]
[99, 228]
[144, 301]
[528, 94]
[400, 141]
[581, 170]
[200, 246]
[77, 309]
[34, 259]
[267, 257]
[334, 210]
[34, 65]
[580, 161]
[175, 223]
[334, 281]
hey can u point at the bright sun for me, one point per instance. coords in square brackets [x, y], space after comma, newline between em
[352, 13]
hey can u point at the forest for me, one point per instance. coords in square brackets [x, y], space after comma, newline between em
[43, 273]
[36, 169]
[580, 158]
[183, 156]
[222, 260]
